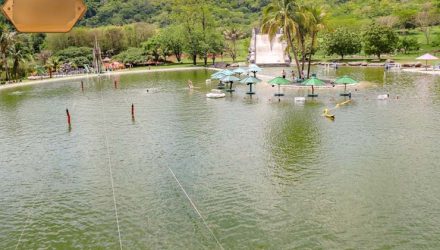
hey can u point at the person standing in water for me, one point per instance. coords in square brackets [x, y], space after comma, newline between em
[284, 74]
[190, 84]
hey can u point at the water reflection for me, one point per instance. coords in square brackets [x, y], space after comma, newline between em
[294, 141]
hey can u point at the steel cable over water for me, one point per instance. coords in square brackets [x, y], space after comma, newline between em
[110, 170]
[197, 211]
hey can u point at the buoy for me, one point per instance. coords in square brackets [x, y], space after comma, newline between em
[82, 86]
[68, 117]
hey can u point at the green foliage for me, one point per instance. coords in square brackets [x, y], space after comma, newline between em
[378, 40]
[342, 42]
[199, 24]
[135, 56]
[172, 39]
[78, 56]
[232, 35]
[436, 40]
[153, 47]
[408, 44]
[112, 39]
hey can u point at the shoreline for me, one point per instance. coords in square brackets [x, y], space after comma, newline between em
[145, 70]
[422, 71]
[76, 77]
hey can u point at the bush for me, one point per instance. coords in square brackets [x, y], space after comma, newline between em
[135, 56]
[436, 40]
[407, 44]
[77, 55]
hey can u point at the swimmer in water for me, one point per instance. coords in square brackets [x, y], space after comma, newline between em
[190, 84]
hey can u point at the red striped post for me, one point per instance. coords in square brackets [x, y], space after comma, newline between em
[68, 117]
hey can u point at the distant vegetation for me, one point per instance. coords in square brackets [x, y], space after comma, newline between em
[138, 32]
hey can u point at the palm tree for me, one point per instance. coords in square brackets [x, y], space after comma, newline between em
[52, 65]
[233, 35]
[7, 39]
[302, 21]
[280, 15]
[316, 22]
[18, 55]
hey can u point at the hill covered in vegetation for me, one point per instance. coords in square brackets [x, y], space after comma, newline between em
[140, 32]
[248, 12]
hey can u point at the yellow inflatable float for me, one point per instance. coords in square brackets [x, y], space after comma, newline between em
[328, 115]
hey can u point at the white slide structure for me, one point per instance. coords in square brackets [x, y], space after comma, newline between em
[266, 52]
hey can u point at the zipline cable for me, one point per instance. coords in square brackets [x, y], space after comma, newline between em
[111, 171]
[183, 189]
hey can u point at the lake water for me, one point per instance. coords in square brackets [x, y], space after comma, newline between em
[263, 174]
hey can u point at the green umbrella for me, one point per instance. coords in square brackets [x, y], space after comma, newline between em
[345, 80]
[231, 79]
[279, 81]
[313, 81]
[250, 81]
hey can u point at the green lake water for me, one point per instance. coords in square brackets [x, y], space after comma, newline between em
[263, 174]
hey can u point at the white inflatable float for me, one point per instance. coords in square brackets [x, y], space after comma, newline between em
[215, 94]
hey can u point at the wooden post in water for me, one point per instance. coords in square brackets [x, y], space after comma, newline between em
[132, 113]
[82, 86]
[68, 118]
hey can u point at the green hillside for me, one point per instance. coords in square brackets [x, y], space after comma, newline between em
[140, 32]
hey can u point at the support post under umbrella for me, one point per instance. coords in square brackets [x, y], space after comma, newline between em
[250, 89]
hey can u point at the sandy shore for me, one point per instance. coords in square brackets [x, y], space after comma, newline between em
[85, 76]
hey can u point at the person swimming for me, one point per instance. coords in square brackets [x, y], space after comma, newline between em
[190, 84]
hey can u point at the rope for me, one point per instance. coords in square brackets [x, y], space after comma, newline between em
[28, 219]
[111, 171]
[339, 105]
[183, 189]
[195, 209]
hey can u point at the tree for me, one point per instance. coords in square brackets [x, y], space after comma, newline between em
[134, 56]
[52, 65]
[37, 41]
[232, 35]
[279, 15]
[407, 44]
[197, 20]
[43, 56]
[342, 42]
[18, 53]
[316, 23]
[76, 55]
[172, 37]
[7, 40]
[216, 46]
[153, 48]
[425, 19]
[379, 40]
